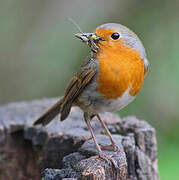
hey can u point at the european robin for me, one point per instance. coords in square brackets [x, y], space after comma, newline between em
[109, 79]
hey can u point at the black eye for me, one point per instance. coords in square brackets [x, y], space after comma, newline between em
[115, 36]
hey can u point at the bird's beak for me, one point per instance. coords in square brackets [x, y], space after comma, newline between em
[91, 39]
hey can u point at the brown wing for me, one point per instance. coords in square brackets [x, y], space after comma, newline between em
[75, 87]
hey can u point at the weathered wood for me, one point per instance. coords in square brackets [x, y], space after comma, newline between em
[64, 150]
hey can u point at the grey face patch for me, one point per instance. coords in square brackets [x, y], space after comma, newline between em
[129, 38]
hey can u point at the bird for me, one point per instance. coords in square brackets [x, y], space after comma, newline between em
[109, 79]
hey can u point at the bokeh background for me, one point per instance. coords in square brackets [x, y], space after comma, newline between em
[39, 54]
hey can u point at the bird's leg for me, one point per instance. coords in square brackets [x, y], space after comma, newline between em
[100, 153]
[87, 120]
[113, 144]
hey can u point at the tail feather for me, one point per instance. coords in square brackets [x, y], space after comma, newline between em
[65, 110]
[50, 114]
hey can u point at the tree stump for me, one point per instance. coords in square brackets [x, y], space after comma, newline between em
[64, 150]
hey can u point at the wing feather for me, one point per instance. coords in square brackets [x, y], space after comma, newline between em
[73, 90]
[75, 87]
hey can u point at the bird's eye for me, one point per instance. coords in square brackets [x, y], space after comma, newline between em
[115, 36]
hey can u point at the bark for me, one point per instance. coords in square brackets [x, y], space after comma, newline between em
[64, 150]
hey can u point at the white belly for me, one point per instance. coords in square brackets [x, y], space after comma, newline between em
[117, 104]
[93, 101]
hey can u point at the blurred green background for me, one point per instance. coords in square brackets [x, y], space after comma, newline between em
[39, 54]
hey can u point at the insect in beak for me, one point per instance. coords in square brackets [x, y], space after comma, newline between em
[90, 39]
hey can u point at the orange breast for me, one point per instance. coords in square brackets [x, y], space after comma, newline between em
[120, 67]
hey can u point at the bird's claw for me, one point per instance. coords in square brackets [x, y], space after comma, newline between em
[112, 146]
[116, 148]
[109, 160]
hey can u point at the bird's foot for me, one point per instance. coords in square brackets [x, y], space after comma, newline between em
[112, 146]
[116, 148]
[109, 160]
